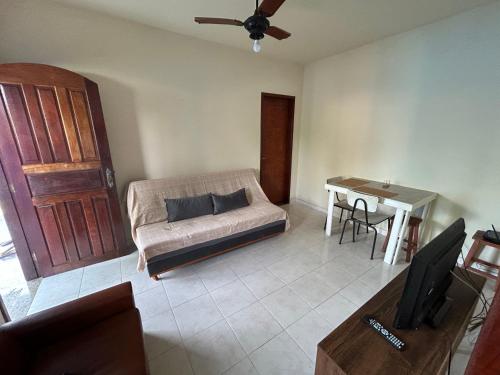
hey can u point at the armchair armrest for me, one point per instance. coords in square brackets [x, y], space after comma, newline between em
[73, 316]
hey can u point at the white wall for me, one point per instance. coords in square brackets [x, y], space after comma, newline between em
[172, 104]
[421, 109]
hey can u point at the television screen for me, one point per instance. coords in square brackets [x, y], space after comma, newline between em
[429, 277]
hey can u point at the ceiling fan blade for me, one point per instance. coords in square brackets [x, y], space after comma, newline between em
[277, 33]
[218, 21]
[269, 7]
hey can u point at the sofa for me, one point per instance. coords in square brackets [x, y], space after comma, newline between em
[97, 334]
[165, 245]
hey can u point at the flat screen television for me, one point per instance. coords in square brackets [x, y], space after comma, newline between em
[429, 277]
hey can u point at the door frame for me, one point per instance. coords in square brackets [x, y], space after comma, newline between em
[290, 136]
[15, 228]
[4, 314]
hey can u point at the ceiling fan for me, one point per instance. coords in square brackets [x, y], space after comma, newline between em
[257, 24]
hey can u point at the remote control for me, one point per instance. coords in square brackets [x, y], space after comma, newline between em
[384, 332]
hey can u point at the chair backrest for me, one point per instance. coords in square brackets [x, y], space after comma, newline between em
[371, 201]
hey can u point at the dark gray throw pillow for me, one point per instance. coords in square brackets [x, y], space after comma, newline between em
[224, 203]
[189, 207]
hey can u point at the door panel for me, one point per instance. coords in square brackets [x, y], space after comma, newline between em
[79, 230]
[85, 134]
[53, 124]
[103, 218]
[19, 124]
[276, 146]
[93, 229]
[50, 117]
[66, 231]
[64, 182]
[49, 221]
[70, 231]
[39, 125]
[68, 123]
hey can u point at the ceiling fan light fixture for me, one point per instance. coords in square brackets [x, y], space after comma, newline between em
[256, 47]
[257, 24]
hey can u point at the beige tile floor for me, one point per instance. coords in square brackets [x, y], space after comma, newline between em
[257, 310]
[17, 293]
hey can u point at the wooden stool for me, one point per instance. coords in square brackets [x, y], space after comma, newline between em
[412, 240]
[477, 246]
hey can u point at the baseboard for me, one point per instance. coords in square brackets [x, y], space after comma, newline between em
[380, 228]
[309, 204]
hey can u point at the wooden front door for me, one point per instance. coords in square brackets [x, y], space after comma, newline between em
[277, 113]
[55, 156]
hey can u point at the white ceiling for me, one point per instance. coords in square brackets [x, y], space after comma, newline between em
[319, 28]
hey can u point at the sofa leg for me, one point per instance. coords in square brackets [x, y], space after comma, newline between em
[155, 277]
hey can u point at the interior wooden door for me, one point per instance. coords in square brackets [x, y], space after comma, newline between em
[55, 155]
[277, 113]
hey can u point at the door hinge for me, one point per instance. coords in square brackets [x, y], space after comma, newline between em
[12, 188]
[33, 255]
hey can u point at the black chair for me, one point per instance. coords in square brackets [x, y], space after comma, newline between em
[367, 216]
[343, 205]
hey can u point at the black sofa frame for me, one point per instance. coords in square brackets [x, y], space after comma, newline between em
[196, 253]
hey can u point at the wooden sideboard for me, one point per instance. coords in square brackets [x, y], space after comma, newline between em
[353, 348]
[485, 359]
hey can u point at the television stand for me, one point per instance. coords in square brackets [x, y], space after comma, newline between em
[354, 348]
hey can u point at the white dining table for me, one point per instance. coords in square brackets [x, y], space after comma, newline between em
[404, 199]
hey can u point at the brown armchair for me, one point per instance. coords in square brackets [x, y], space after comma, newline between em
[97, 334]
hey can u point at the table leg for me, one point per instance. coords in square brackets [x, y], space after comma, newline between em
[401, 236]
[393, 239]
[476, 246]
[329, 217]
[423, 225]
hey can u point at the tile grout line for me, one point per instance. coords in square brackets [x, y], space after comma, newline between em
[230, 328]
[261, 304]
[178, 329]
[236, 364]
[285, 329]
[81, 282]
[247, 355]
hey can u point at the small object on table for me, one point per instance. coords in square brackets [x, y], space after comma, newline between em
[387, 184]
[492, 235]
[384, 332]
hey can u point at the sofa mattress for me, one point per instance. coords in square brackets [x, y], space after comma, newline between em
[164, 237]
